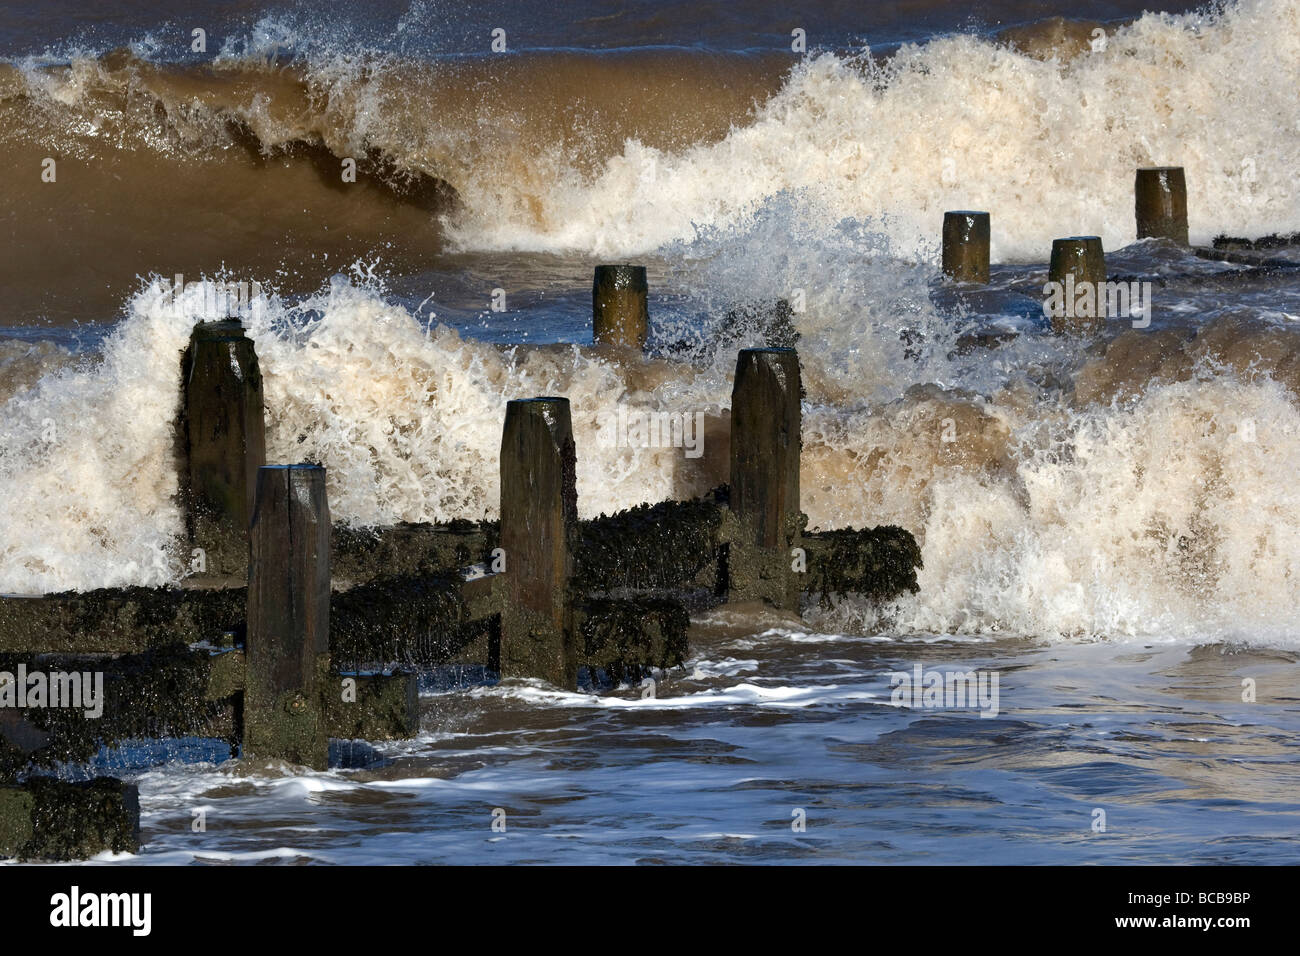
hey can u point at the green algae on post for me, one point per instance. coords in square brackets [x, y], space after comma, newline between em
[766, 419]
[288, 616]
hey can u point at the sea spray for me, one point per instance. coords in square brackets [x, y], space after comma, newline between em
[958, 120]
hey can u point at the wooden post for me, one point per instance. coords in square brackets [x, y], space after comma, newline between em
[966, 246]
[620, 314]
[1160, 200]
[539, 524]
[224, 438]
[288, 617]
[765, 443]
[1077, 263]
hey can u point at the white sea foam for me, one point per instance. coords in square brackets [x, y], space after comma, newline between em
[780, 696]
[959, 122]
[1145, 518]
[1148, 518]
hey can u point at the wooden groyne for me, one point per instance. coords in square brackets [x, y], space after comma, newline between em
[1160, 212]
[299, 630]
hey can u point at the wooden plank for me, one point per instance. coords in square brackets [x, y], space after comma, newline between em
[117, 620]
[47, 819]
[134, 620]
[766, 419]
[539, 520]
[224, 436]
[358, 554]
[372, 706]
[288, 616]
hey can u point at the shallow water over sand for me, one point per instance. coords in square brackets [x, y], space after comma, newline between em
[754, 728]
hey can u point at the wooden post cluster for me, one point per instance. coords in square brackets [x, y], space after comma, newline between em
[620, 312]
[288, 617]
[224, 438]
[1160, 201]
[966, 246]
[766, 420]
[539, 526]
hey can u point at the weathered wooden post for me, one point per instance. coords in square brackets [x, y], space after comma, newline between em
[966, 246]
[224, 438]
[1160, 200]
[539, 526]
[766, 420]
[620, 313]
[1078, 268]
[288, 617]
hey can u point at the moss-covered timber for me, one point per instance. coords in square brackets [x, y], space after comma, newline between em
[164, 692]
[48, 819]
[118, 620]
[360, 554]
[673, 544]
[627, 638]
[372, 707]
[879, 563]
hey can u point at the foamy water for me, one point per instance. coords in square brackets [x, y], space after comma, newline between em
[964, 123]
[1167, 514]
[553, 152]
[739, 746]
[956, 122]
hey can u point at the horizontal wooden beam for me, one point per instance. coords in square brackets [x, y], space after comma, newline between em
[185, 692]
[117, 620]
[360, 554]
[1259, 257]
[134, 620]
[47, 819]
[878, 563]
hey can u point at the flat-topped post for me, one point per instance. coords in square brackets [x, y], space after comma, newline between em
[966, 246]
[539, 526]
[1078, 268]
[224, 437]
[620, 311]
[288, 617]
[766, 420]
[1160, 203]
